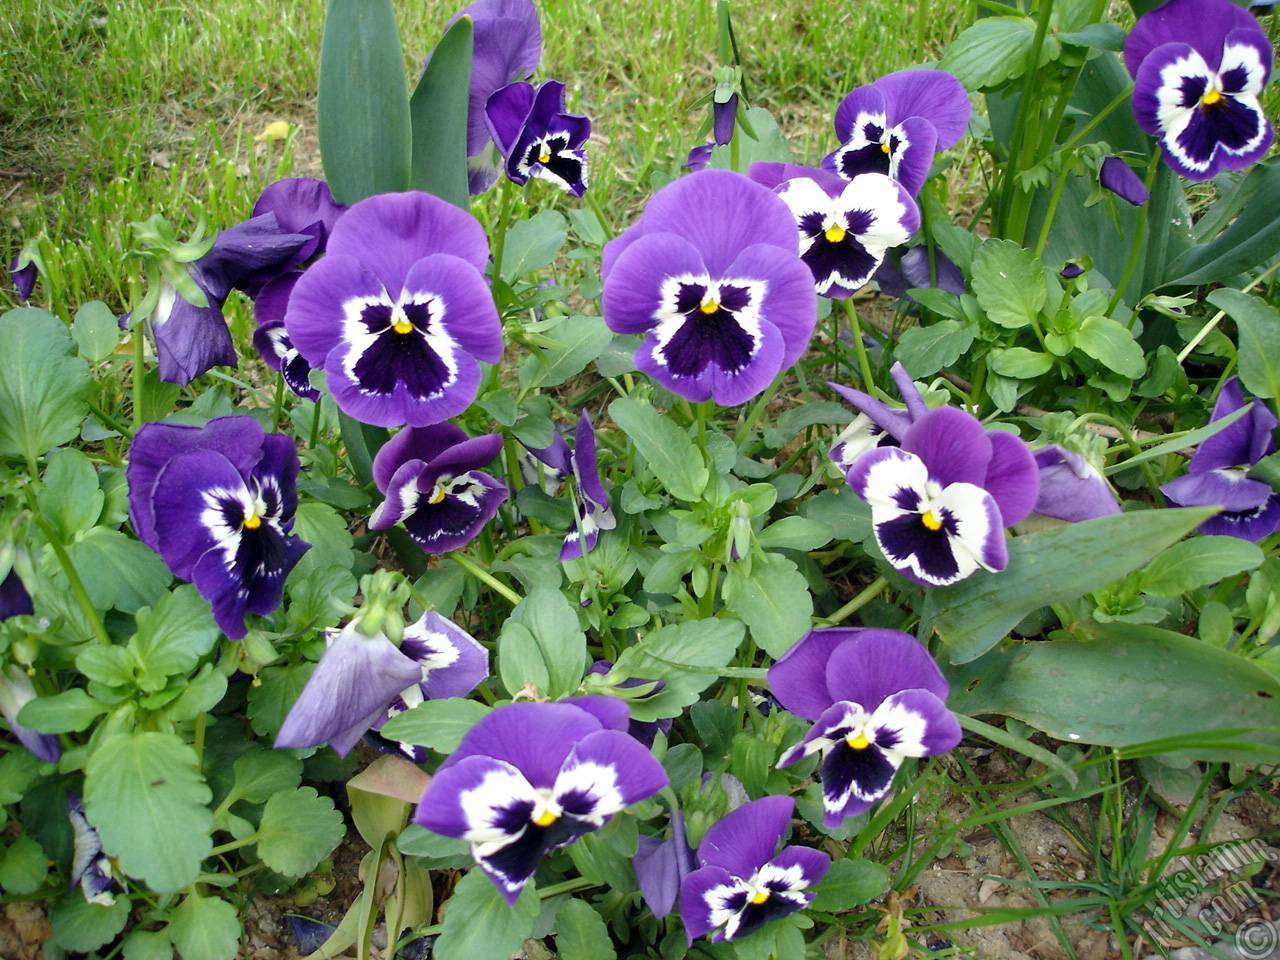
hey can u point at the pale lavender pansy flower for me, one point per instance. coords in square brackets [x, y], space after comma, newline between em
[16, 691]
[711, 274]
[910, 270]
[877, 424]
[895, 125]
[433, 485]
[537, 138]
[1198, 68]
[398, 312]
[592, 512]
[90, 867]
[1118, 177]
[1071, 488]
[740, 885]
[1218, 473]
[23, 276]
[532, 777]
[661, 866]
[217, 503]
[846, 226]
[875, 698]
[941, 501]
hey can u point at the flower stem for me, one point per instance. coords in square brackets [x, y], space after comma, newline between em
[1139, 235]
[500, 236]
[484, 576]
[753, 415]
[857, 603]
[277, 404]
[864, 362]
[73, 578]
[139, 375]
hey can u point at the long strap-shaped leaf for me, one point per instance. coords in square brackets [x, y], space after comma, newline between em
[439, 115]
[363, 103]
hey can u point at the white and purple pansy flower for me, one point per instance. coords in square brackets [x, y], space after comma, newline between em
[532, 777]
[591, 504]
[740, 885]
[398, 312]
[90, 867]
[1218, 473]
[846, 226]
[941, 501]
[537, 138]
[271, 339]
[217, 503]
[877, 424]
[711, 274]
[1198, 68]
[433, 485]
[895, 125]
[875, 698]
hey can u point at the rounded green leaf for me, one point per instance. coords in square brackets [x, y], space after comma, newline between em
[44, 386]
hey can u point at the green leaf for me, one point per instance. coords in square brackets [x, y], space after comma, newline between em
[1259, 325]
[363, 441]
[795, 533]
[44, 386]
[25, 866]
[70, 497]
[533, 244]
[144, 793]
[320, 599]
[926, 350]
[438, 724]
[71, 711]
[1129, 685]
[773, 600]
[363, 106]
[1112, 345]
[992, 51]
[205, 928]
[848, 884]
[1049, 567]
[298, 830]
[1008, 281]
[1252, 238]
[198, 695]
[111, 666]
[478, 924]
[664, 655]
[553, 623]
[791, 422]
[581, 934]
[118, 572]
[278, 691]
[81, 926]
[438, 115]
[261, 773]
[581, 339]
[1201, 560]
[671, 454]
[172, 637]
[95, 330]
[148, 945]
[417, 842]
[843, 511]
[1019, 363]
[331, 541]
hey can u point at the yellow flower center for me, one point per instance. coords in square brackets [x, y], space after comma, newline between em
[252, 521]
[709, 304]
[545, 819]
[885, 146]
[1210, 98]
[931, 520]
[759, 898]
[400, 322]
[544, 156]
[834, 233]
[437, 495]
[860, 742]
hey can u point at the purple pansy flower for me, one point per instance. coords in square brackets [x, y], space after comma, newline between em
[875, 698]
[895, 125]
[940, 502]
[740, 885]
[271, 338]
[532, 777]
[23, 276]
[217, 503]
[1118, 177]
[90, 867]
[1198, 68]
[711, 274]
[909, 270]
[302, 205]
[1071, 488]
[398, 311]
[1218, 474]
[434, 486]
[646, 731]
[661, 866]
[699, 157]
[723, 114]
[846, 227]
[364, 679]
[537, 138]
[876, 425]
[15, 601]
[591, 504]
[16, 691]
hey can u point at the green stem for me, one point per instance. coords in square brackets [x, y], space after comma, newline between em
[278, 404]
[857, 603]
[235, 844]
[1122, 97]
[1015, 203]
[139, 375]
[1139, 235]
[1053, 208]
[744, 431]
[484, 576]
[500, 237]
[315, 423]
[564, 886]
[864, 361]
[198, 737]
[109, 420]
[73, 578]
[593, 202]
[1217, 317]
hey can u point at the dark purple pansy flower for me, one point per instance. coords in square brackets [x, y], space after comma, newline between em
[90, 867]
[1071, 488]
[940, 502]
[1071, 271]
[302, 205]
[711, 273]
[662, 865]
[532, 777]
[537, 138]
[15, 601]
[877, 424]
[846, 227]
[699, 157]
[1118, 177]
[591, 504]
[364, 679]
[909, 270]
[217, 503]
[1218, 474]
[723, 115]
[875, 698]
[16, 691]
[1198, 68]
[895, 125]
[271, 339]
[398, 311]
[434, 486]
[24, 277]
[740, 885]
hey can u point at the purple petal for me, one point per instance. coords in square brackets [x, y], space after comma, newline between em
[351, 686]
[24, 278]
[414, 443]
[247, 250]
[953, 445]
[724, 115]
[469, 501]
[700, 895]
[15, 601]
[403, 494]
[935, 95]
[909, 270]
[865, 104]
[746, 839]
[505, 113]
[272, 342]
[1246, 441]
[452, 662]
[1252, 525]
[799, 679]
[789, 303]
[300, 203]
[556, 455]
[1070, 488]
[190, 340]
[194, 499]
[317, 312]
[893, 422]
[913, 143]
[1013, 477]
[633, 291]
[506, 46]
[908, 390]
[605, 773]
[90, 867]
[874, 665]
[813, 864]
[914, 723]
[467, 800]
[1118, 177]
[698, 159]
[535, 738]
[1230, 489]
[958, 531]
[16, 691]
[853, 781]
[1204, 24]
[613, 713]
[774, 175]
[661, 867]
